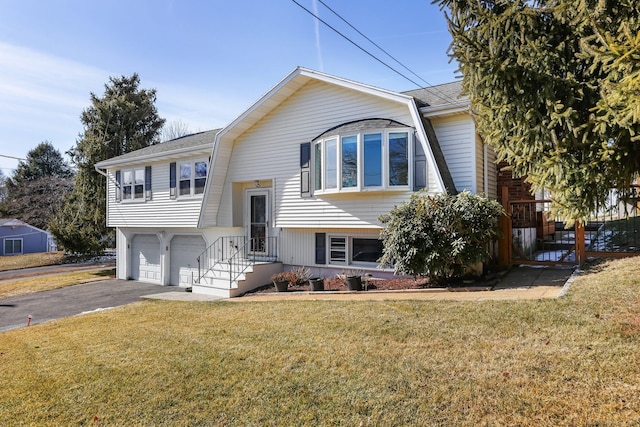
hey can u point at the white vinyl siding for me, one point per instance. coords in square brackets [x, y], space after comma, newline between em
[456, 135]
[492, 173]
[270, 150]
[161, 211]
[297, 246]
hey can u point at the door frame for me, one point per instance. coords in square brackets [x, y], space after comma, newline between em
[266, 192]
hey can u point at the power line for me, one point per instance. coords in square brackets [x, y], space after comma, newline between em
[374, 43]
[356, 45]
[435, 91]
[11, 157]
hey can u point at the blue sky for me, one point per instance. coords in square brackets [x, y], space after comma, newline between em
[208, 60]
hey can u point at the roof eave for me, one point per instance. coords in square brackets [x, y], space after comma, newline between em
[443, 110]
[204, 148]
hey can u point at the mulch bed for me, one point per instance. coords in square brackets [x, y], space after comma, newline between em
[395, 284]
[335, 284]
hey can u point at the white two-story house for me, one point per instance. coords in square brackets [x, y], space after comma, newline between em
[298, 179]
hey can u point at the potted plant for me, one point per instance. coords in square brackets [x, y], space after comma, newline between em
[353, 279]
[301, 274]
[283, 279]
[316, 283]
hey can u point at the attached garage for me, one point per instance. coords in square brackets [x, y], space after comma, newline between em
[184, 259]
[145, 258]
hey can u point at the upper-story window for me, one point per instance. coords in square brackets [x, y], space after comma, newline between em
[192, 177]
[133, 184]
[365, 160]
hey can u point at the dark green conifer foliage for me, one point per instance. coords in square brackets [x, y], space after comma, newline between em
[548, 95]
[124, 119]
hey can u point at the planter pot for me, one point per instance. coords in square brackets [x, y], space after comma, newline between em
[281, 285]
[317, 283]
[354, 283]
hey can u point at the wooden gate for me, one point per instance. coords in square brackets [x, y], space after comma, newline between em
[531, 236]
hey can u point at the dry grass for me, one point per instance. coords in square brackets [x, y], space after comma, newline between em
[30, 260]
[46, 283]
[572, 361]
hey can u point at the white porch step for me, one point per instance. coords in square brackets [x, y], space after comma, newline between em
[218, 282]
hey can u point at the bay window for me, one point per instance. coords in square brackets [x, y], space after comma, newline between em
[363, 161]
[372, 160]
[398, 158]
[349, 161]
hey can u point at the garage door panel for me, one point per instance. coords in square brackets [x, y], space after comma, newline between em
[145, 258]
[184, 264]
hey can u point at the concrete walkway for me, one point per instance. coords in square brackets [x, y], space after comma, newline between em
[520, 283]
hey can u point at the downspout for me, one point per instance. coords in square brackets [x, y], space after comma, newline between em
[100, 171]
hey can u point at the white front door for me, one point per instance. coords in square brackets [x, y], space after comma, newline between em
[257, 220]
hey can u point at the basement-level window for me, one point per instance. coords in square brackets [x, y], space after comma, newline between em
[354, 250]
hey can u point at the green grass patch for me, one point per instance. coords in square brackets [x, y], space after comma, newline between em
[46, 283]
[567, 361]
[16, 262]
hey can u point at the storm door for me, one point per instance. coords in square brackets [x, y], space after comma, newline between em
[258, 221]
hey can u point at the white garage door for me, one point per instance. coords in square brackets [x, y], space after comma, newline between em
[184, 264]
[145, 258]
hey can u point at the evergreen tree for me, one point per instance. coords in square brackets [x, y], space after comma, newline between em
[35, 191]
[42, 161]
[124, 119]
[539, 96]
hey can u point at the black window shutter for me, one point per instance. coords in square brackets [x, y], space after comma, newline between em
[321, 248]
[172, 181]
[419, 167]
[118, 186]
[147, 182]
[305, 169]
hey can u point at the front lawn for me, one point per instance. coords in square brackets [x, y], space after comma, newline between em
[570, 361]
[15, 262]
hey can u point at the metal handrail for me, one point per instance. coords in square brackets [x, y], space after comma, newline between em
[255, 250]
[218, 252]
[239, 253]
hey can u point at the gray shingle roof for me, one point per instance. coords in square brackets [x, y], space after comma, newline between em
[188, 141]
[447, 93]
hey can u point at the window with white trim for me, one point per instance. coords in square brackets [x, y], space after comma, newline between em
[133, 184]
[192, 177]
[354, 250]
[337, 250]
[12, 246]
[363, 161]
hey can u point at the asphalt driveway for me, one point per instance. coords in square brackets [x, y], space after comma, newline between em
[72, 300]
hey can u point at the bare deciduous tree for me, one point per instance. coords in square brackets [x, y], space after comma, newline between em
[174, 129]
